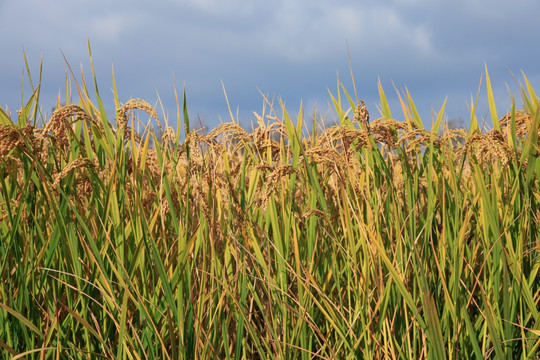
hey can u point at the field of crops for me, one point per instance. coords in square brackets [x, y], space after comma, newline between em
[375, 238]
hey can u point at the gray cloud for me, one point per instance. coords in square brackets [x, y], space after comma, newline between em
[292, 49]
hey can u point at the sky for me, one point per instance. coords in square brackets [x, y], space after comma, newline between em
[293, 50]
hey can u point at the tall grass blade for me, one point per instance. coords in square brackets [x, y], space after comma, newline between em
[491, 102]
[385, 108]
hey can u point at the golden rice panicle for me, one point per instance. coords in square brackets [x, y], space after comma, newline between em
[523, 121]
[327, 156]
[384, 131]
[11, 137]
[231, 135]
[361, 115]
[121, 120]
[265, 137]
[75, 164]
[416, 139]
[197, 143]
[228, 131]
[343, 137]
[168, 137]
[488, 147]
[454, 136]
[59, 125]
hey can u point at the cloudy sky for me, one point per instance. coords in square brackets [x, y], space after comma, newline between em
[293, 49]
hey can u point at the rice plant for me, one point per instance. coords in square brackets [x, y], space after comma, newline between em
[375, 238]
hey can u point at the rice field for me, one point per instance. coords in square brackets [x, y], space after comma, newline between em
[375, 238]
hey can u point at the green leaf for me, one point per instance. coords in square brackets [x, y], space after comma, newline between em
[4, 118]
[385, 108]
[439, 119]
[415, 115]
[434, 331]
[491, 100]
[22, 319]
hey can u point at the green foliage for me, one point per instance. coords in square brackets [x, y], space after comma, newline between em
[379, 241]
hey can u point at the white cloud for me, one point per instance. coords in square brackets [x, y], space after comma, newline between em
[300, 35]
[235, 8]
[108, 27]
